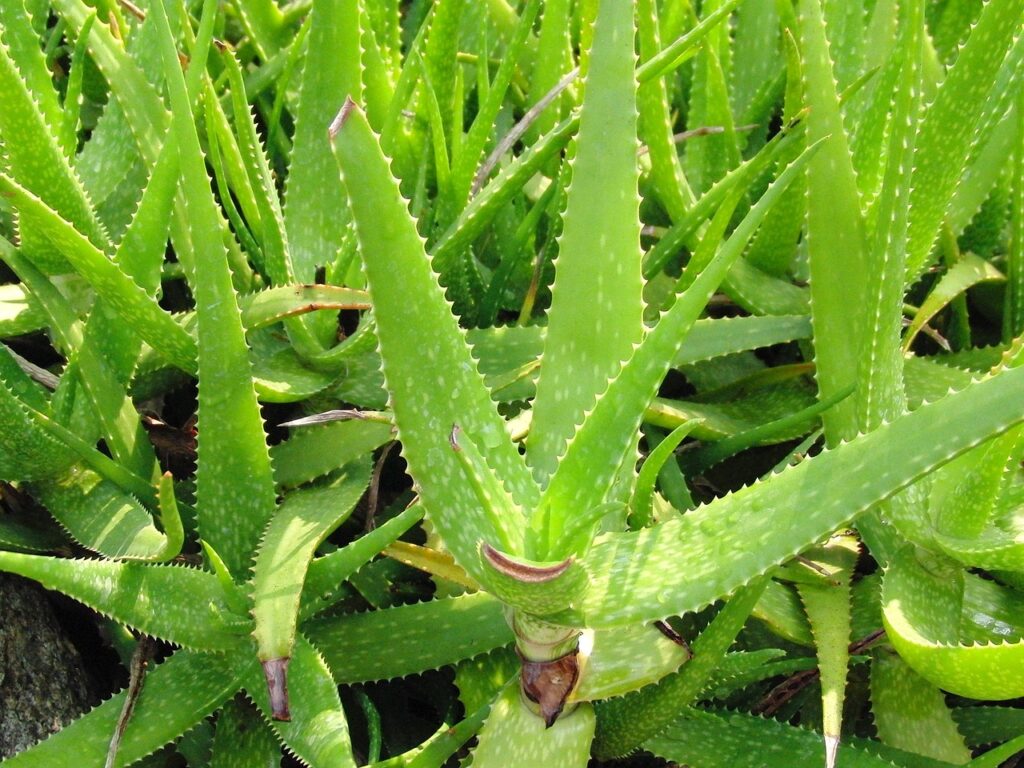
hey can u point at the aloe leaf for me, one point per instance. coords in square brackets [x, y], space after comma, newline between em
[235, 493]
[716, 739]
[301, 523]
[146, 597]
[780, 609]
[1013, 313]
[709, 159]
[553, 61]
[507, 184]
[242, 739]
[112, 164]
[34, 158]
[681, 231]
[596, 306]
[439, 60]
[947, 130]
[273, 239]
[600, 442]
[496, 503]
[982, 725]
[510, 180]
[326, 573]
[464, 169]
[22, 42]
[435, 633]
[442, 745]
[827, 602]
[313, 192]
[102, 517]
[146, 113]
[685, 46]
[835, 229]
[881, 391]
[655, 123]
[643, 492]
[513, 735]
[910, 713]
[615, 663]
[856, 475]
[316, 730]
[20, 313]
[921, 608]
[178, 693]
[776, 430]
[625, 723]
[425, 343]
[68, 133]
[315, 451]
[26, 451]
[966, 273]
[265, 24]
[275, 304]
[139, 310]
[534, 587]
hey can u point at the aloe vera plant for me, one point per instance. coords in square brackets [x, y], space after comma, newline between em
[530, 272]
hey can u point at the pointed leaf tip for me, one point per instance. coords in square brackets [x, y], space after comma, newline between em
[276, 672]
[453, 438]
[525, 572]
[831, 750]
[339, 120]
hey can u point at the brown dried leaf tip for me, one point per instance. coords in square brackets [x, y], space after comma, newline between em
[666, 629]
[549, 683]
[341, 117]
[524, 572]
[276, 672]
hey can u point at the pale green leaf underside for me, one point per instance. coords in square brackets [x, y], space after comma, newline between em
[921, 609]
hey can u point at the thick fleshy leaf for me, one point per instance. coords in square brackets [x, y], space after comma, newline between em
[178, 693]
[235, 490]
[596, 310]
[800, 506]
[423, 340]
[515, 736]
[922, 603]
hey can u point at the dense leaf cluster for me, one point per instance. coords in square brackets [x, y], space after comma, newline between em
[697, 327]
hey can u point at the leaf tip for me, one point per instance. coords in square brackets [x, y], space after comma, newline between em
[340, 119]
[831, 750]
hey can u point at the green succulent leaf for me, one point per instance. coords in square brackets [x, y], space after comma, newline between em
[513, 735]
[301, 523]
[429, 345]
[178, 693]
[235, 494]
[315, 730]
[596, 310]
[591, 462]
[859, 474]
[921, 608]
[146, 597]
[910, 713]
[438, 632]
